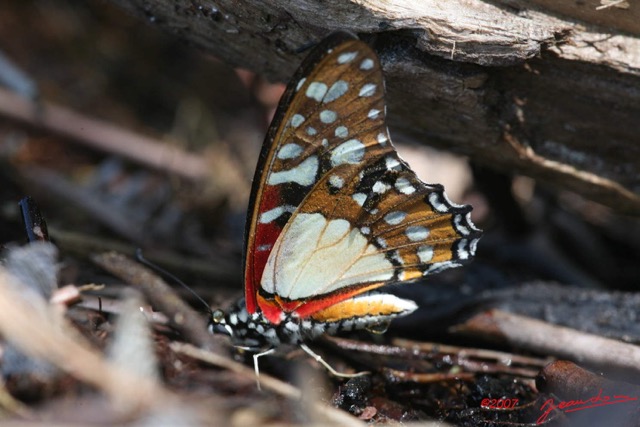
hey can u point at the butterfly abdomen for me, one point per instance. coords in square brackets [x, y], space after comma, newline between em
[367, 311]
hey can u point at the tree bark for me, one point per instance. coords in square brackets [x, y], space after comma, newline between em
[544, 88]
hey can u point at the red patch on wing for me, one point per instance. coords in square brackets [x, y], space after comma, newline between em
[265, 237]
[273, 307]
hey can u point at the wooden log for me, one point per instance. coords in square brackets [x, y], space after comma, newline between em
[542, 88]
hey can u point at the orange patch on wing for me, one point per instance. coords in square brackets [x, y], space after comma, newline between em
[357, 308]
[410, 274]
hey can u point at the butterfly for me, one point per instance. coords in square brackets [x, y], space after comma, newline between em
[335, 214]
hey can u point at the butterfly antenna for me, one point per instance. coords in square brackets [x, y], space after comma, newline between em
[165, 273]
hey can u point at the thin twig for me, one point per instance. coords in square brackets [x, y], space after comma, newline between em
[103, 136]
[160, 295]
[475, 353]
[526, 153]
[545, 338]
[472, 360]
[397, 375]
[82, 245]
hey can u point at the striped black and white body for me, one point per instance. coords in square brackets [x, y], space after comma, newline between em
[254, 331]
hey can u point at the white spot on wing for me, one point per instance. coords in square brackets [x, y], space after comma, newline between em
[263, 248]
[359, 198]
[462, 251]
[342, 132]
[473, 246]
[316, 90]
[460, 226]
[366, 64]
[328, 116]
[395, 217]
[336, 90]
[471, 224]
[367, 90]
[268, 216]
[382, 138]
[297, 120]
[351, 151]
[336, 181]
[380, 187]
[373, 113]
[300, 83]
[289, 151]
[303, 174]
[397, 258]
[346, 57]
[415, 233]
[425, 253]
[437, 203]
[404, 186]
[311, 131]
[392, 163]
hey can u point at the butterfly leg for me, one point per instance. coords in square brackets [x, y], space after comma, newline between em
[328, 367]
[255, 364]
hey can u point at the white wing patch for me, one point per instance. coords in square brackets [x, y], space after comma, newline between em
[351, 151]
[270, 215]
[315, 256]
[303, 174]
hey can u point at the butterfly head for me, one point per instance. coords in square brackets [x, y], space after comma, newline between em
[218, 323]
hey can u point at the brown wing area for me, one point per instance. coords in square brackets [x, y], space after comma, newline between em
[412, 223]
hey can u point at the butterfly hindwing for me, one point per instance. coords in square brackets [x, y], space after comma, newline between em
[335, 211]
[382, 226]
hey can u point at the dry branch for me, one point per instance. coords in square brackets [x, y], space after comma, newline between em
[545, 338]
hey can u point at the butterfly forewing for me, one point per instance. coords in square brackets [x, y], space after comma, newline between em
[313, 117]
[336, 212]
